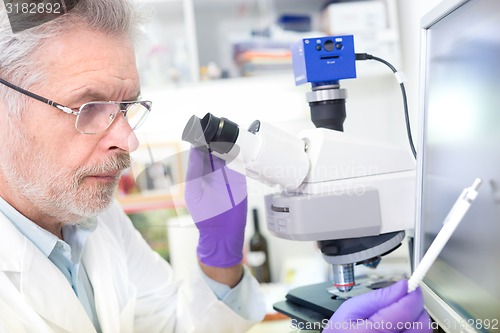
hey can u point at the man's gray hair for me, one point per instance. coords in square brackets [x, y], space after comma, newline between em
[19, 63]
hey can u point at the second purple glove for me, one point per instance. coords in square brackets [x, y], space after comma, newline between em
[216, 197]
[387, 310]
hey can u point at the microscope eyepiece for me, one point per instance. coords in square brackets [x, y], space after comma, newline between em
[219, 134]
[266, 153]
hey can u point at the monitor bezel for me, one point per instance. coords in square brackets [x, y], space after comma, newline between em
[445, 316]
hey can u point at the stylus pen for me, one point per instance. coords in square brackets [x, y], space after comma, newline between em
[450, 223]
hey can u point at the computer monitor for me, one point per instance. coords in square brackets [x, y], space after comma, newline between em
[459, 134]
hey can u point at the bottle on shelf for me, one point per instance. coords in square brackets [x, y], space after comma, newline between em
[258, 255]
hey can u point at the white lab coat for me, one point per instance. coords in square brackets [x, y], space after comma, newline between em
[134, 288]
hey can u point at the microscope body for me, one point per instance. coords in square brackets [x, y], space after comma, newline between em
[352, 195]
[354, 188]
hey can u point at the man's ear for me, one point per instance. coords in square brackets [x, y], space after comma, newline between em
[2, 106]
[4, 113]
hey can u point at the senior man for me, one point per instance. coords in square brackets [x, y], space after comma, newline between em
[70, 259]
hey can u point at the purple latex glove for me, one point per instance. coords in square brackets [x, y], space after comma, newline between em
[216, 197]
[385, 310]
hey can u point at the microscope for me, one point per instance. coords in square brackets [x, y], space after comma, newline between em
[352, 195]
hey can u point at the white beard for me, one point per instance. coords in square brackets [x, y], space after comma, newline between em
[60, 192]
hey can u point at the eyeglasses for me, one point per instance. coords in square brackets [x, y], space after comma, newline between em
[96, 117]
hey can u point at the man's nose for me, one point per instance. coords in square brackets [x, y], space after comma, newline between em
[121, 136]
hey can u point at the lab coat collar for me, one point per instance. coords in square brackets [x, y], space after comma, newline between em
[115, 298]
[99, 268]
[42, 285]
[12, 246]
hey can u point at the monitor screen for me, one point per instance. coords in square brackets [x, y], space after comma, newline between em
[460, 141]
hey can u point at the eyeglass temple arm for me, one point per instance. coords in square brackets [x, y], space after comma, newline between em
[38, 97]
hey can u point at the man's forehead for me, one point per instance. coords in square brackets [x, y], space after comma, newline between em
[92, 94]
[82, 42]
[91, 65]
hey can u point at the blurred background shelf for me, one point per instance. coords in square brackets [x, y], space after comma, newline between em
[191, 40]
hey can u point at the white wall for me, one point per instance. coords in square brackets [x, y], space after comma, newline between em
[374, 109]
[411, 12]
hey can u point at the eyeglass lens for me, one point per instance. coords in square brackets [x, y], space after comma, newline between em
[137, 112]
[97, 117]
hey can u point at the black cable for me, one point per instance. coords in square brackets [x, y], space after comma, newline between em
[366, 56]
